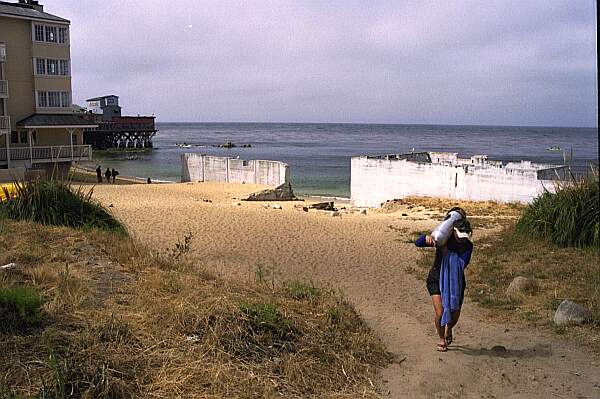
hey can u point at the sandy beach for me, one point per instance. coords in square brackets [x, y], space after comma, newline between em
[234, 236]
[368, 257]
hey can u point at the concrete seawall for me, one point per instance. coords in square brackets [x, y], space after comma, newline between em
[199, 168]
[375, 180]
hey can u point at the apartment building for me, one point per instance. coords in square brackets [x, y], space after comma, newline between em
[38, 126]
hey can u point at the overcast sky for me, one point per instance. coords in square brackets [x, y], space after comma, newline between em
[440, 62]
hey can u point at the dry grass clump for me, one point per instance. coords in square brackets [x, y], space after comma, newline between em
[475, 208]
[57, 203]
[123, 322]
[481, 214]
[561, 273]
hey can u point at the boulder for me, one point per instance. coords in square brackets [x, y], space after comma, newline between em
[521, 286]
[570, 313]
[281, 193]
[324, 206]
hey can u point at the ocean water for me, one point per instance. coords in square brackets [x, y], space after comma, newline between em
[319, 154]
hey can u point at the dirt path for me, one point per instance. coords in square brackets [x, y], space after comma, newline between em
[534, 365]
[368, 257]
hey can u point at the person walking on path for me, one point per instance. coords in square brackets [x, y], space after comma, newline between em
[99, 174]
[107, 174]
[446, 280]
[115, 173]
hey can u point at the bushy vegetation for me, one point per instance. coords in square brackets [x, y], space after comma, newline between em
[141, 324]
[20, 308]
[569, 217]
[58, 204]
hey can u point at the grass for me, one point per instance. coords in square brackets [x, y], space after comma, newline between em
[20, 308]
[301, 291]
[122, 321]
[561, 273]
[58, 204]
[568, 217]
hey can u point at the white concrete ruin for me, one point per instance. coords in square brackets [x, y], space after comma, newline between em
[200, 168]
[375, 180]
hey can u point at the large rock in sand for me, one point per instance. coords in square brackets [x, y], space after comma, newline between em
[521, 286]
[570, 313]
[281, 193]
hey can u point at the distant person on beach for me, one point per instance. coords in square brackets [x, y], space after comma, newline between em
[446, 280]
[107, 174]
[115, 173]
[99, 174]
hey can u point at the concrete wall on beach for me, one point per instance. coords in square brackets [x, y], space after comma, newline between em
[199, 168]
[375, 180]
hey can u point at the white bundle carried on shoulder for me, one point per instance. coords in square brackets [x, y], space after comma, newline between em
[443, 231]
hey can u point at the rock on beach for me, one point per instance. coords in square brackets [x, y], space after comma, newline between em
[521, 286]
[570, 313]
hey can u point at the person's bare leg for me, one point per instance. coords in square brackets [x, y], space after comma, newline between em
[450, 326]
[437, 307]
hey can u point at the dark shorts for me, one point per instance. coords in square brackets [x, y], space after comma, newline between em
[433, 283]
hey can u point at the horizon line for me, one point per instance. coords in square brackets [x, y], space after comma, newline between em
[382, 123]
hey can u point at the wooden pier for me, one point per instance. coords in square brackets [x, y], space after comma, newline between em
[122, 132]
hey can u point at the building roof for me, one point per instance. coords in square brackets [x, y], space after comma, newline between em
[21, 10]
[55, 120]
[100, 98]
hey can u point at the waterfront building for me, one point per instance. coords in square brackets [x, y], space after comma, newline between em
[39, 129]
[115, 130]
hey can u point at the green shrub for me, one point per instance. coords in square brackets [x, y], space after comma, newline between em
[301, 291]
[58, 204]
[265, 318]
[20, 308]
[569, 217]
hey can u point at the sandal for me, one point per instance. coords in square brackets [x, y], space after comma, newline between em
[441, 347]
[449, 338]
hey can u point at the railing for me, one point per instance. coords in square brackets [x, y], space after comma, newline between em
[49, 154]
[3, 88]
[5, 124]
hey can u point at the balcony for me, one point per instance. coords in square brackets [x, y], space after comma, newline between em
[4, 124]
[2, 52]
[52, 154]
[3, 88]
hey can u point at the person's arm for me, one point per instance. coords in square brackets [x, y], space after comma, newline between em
[424, 241]
[466, 255]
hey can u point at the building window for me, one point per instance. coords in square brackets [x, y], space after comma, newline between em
[64, 67]
[63, 35]
[53, 99]
[39, 33]
[40, 66]
[51, 36]
[23, 134]
[14, 137]
[52, 67]
[42, 99]
[65, 99]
